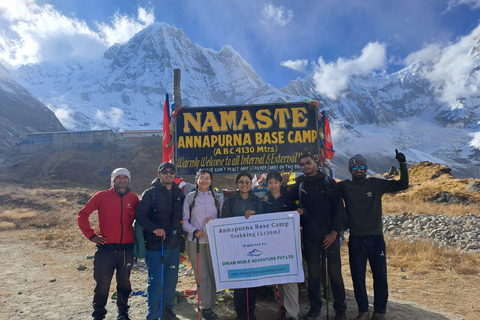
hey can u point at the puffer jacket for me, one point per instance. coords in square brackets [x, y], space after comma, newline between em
[324, 210]
[166, 215]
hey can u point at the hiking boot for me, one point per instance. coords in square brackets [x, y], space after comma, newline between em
[340, 315]
[313, 313]
[168, 314]
[378, 316]
[123, 317]
[208, 314]
[241, 317]
[363, 316]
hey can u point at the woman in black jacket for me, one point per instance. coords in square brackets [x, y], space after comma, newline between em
[278, 201]
[243, 203]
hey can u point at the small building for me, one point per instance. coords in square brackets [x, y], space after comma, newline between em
[64, 139]
[141, 133]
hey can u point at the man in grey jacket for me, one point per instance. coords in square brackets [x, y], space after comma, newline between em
[363, 203]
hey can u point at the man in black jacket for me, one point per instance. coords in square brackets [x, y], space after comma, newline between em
[363, 202]
[160, 215]
[321, 222]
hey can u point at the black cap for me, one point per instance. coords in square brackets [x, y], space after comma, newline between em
[165, 165]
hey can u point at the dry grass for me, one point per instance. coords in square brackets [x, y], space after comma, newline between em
[395, 206]
[427, 181]
[421, 257]
[441, 279]
[17, 214]
[41, 207]
[4, 225]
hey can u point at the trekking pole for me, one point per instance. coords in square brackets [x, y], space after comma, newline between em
[279, 302]
[162, 263]
[327, 280]
[248, 307]
[198, 278]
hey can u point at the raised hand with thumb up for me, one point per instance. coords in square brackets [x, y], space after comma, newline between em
[400, 157]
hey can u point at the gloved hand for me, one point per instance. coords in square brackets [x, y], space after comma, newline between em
[400, 157]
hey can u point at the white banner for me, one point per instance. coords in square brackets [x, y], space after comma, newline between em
[264, 249]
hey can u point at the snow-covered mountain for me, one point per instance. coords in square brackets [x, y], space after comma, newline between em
[21, 113]
[373, 116]
[125, 89]
[376, 115]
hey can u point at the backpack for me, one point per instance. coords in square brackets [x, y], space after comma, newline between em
[217, 195]
[139, 248]
[190, 197]
[327, 186]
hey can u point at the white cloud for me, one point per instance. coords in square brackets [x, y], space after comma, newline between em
[114, 116]
[124, 27]
[429, 53]
[471, 3]
[64, 114]
[453, 68]
[297, 65]
[331, 78]
[278, 14]
[37, 33]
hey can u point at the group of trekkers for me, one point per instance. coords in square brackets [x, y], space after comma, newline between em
[326, 208]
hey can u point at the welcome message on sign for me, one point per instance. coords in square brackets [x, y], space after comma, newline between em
[254, 138]
[264, 249]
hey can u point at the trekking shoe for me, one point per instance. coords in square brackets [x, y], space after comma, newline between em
[208, 314]
[313, 313]
[241, 317]
[168, 314]
[123, 317]
[363, 316]
[378, 316]
[340, 315]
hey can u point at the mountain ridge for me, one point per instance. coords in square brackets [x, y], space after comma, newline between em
[21, 113]
[373, 115]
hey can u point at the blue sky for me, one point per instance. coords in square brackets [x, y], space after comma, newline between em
[282, 40]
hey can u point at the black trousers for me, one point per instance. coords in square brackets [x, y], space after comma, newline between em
[371, 248]
[240, 300]
[105, 263]
[315, 256]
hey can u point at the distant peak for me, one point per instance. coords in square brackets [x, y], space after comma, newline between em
[227, 49]
[4, 74]
[157, 27]
[112, 51]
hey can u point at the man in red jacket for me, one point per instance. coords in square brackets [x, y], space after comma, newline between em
[116, 211]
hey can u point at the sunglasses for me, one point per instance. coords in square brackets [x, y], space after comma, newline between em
[362, 167]
[302, 164]
[168, 171]
[244, 182]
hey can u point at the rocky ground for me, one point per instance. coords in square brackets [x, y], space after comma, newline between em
[462, 232]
